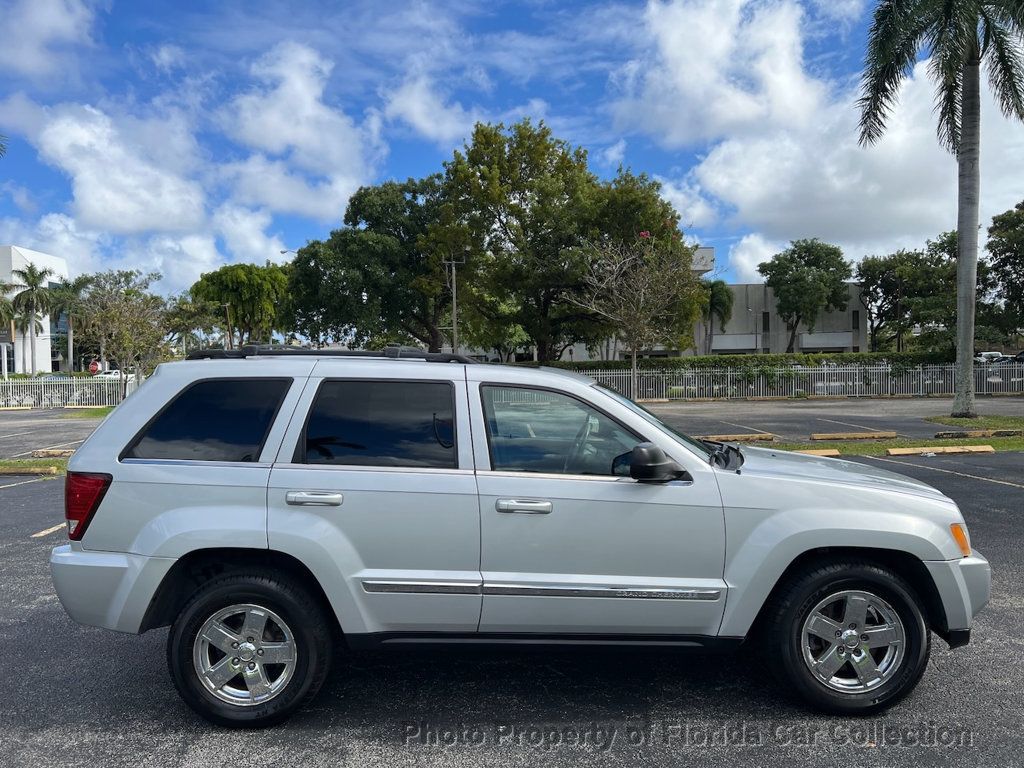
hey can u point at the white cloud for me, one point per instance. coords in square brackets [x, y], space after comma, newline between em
[845, 11]
[117, 187]
[244, 233]
[180, 260]
[19, 195]
[36, 31]
[717, 67]
[167, 57]
[308, 148]
[694, 208]
[746, 254]
[419, 105]
[614, 154]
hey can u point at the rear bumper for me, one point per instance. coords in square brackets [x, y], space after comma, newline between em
[106, 589]
[964, 586]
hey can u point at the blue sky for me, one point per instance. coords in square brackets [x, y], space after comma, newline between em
[178, 136]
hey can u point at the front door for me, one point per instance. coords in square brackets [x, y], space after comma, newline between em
[569, 543]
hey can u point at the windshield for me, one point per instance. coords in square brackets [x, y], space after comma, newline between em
[639, 410]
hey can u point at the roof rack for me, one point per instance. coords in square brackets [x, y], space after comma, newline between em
[278, 350]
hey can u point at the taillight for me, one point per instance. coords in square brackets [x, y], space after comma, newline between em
[83, 492]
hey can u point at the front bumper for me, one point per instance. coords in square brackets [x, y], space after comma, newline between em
[964, 586]
[112, 590]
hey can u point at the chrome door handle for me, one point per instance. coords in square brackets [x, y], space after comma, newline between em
[529, 506]
[314, 498]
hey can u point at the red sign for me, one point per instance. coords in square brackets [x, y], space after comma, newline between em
[94, 367]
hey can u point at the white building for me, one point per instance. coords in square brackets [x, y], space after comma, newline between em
[19, 355]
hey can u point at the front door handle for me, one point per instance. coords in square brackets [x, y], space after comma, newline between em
[314, 498]
[529, 506]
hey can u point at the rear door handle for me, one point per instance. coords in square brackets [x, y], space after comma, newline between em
[528, 506]
[314, 498]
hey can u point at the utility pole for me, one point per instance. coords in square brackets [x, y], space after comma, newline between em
[453, 263]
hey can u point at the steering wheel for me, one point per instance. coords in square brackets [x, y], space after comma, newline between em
[579, 443]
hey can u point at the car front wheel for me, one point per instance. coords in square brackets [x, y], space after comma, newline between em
[851, 638]
[249, 649]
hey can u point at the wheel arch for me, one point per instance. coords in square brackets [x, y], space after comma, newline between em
[903, 563]
[198, 567]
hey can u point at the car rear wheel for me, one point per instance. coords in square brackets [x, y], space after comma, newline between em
[850, 638]
[249, 649]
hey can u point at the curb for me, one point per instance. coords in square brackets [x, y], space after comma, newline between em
[750, 437]
[981, 433]
[854, 436]
[940, 449]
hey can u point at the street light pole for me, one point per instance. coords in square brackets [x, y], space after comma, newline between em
[453, 262]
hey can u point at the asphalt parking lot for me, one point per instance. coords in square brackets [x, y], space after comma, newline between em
[796, 420]
[79, 696]
[22, 432]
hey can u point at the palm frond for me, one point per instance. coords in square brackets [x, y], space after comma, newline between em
[1004, 59]
[952, 41]
[893, 42]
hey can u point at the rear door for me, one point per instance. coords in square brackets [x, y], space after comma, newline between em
[374, 490]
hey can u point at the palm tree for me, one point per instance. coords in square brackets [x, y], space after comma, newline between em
[67, 298]
[958, 36]
[3, 145]
[718, 307]
[32, 299]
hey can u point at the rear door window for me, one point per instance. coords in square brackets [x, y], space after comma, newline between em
[381, 423]
[213, 420]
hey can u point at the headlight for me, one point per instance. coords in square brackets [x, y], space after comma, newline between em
[961, 537]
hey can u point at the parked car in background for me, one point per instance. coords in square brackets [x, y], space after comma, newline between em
[271, 505]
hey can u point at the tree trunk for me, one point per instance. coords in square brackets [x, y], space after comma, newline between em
[71, 345]
[24, 359]
[792, 336]
[32, 338]
[968, 184]
[711, 334]
[632, 376]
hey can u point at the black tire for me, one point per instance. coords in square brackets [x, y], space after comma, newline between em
[797, 597]
[303, 614]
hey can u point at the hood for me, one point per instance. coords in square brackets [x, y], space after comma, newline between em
[799, 466]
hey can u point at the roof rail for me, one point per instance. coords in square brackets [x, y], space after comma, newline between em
[278, 350]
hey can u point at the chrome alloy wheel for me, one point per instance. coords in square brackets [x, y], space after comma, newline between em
[853, 641]
[244, 654]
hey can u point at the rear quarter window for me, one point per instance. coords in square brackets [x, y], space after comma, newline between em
[212, 420]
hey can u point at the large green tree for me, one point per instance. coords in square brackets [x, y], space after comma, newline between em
[66, 298]
[808, 278]
[252, 295]
[958, 37]
[533, 213]
[32, 299]
[382, 276]
[1006, 248]
[125, 319]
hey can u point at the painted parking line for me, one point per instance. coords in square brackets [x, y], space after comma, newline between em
[26, 482]
[48, 531]
[16, 434]
[744, 426]
[848, 424]
[49, 447]
[947, 471]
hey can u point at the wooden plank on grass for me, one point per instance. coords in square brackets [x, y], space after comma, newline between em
[49, 453]
[821, 452]
[28, 470]
[853, 436]
[751, 437]
[980, 433]
[940, 449]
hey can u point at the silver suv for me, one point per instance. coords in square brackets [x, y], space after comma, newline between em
[273, 507]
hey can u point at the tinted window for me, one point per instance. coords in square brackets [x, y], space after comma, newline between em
[533, 430]
[216, 420]
[382, 423]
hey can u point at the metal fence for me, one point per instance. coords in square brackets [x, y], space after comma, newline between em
[798, 381]
[61, 393]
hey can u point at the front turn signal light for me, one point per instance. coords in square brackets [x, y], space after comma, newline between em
[959, 531]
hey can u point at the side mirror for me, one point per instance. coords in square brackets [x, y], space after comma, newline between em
[649, 464]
